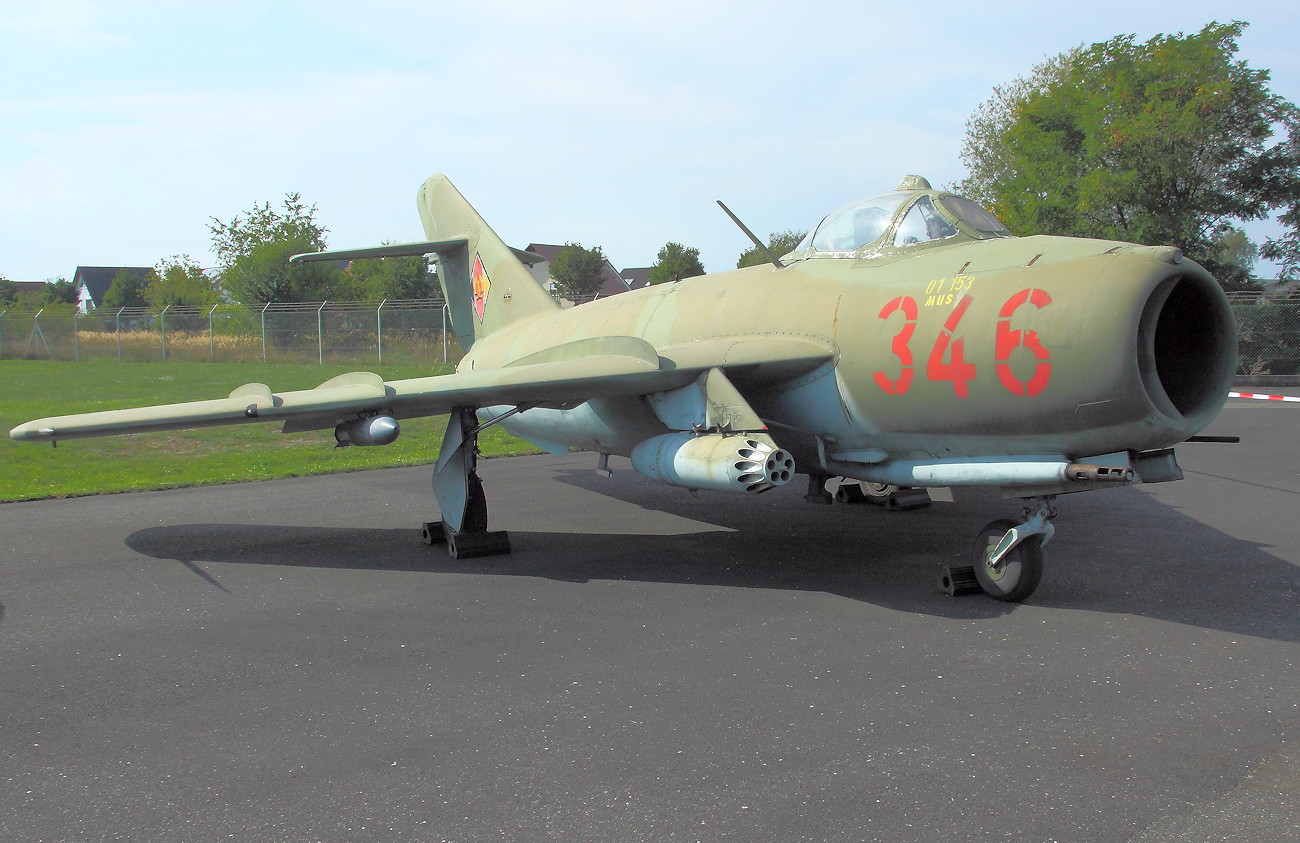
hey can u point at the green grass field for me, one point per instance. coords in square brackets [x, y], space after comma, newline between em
[36, 389]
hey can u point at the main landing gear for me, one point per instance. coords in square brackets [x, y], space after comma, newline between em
[893, 498]
[459, 490]
[1006, 558]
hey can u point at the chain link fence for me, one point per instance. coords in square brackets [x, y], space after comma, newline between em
[419, 330]
[1268, 333]
[387, 331]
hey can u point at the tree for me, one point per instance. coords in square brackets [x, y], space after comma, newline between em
[8, 292]
[376, 279]
[1165, 142]
[1233, 248]
[31, 300]
[778, 244]
[675, 262]
[61, 291]
[578, 273]
[1286, 249]
[254, 254]
[127, 290]
[265, 275]
[178, 281]
[57, 294]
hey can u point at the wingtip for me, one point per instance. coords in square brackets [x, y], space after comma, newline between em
[32, 431]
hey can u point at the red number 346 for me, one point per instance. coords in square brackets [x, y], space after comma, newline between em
[952, 347]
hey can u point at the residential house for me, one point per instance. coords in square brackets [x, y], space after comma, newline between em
[93, 282]
[21, 287]
[636, 277]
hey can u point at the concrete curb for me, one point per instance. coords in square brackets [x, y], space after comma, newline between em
[1266, 380]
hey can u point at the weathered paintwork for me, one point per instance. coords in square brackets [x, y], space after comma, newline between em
[909, 341]
[890, 356]
[1132, 350]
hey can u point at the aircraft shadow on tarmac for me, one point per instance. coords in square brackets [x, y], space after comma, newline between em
[1119, 552]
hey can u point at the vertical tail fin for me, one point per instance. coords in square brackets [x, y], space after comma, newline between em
[485, 284]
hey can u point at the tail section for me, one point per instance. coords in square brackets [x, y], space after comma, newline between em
[485, 284]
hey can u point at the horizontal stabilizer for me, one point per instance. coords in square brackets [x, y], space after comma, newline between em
[393, 250]
[403, 250]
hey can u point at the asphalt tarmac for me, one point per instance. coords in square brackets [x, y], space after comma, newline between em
[286, 661]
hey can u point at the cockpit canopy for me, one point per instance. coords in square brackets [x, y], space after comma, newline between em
[911, 215]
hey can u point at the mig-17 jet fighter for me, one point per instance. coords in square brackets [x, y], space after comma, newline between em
[910, 340]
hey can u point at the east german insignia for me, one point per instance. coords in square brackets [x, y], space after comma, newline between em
[481, 286]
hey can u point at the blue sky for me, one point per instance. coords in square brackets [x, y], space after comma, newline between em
[126, 125]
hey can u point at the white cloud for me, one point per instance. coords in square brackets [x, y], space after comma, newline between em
[55, 25]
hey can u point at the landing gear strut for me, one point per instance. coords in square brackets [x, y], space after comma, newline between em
[459, 490]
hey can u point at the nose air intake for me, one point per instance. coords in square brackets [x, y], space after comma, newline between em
[1187, 347]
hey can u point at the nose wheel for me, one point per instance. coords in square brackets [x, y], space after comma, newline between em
[1013, 577]
[1006, 559]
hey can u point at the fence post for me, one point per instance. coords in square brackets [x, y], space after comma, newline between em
[264, 307]
[37, 332]
[212, 344]
[320, 333]
[379, 328]
[2, 332]
[444, 333]
[162, 325]
[118, 321]
[76, 343]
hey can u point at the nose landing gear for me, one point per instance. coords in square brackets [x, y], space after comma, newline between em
[1006, 557]
[1017, 572]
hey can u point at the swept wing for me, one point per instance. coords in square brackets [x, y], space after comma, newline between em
[560, 376]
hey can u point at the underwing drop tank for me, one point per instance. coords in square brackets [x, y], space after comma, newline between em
[372, 430]
[736, 462]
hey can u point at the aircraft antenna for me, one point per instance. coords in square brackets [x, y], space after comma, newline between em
[759, 243]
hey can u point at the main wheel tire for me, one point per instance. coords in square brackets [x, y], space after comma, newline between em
[476, 508]
[879, 491]
[850, 493]
[1023, 570]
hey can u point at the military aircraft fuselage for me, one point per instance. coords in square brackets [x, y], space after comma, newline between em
[1036, 345]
